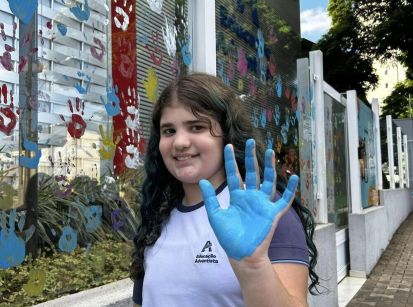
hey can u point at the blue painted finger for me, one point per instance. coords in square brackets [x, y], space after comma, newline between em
[250, 171]
[209, 196]
[269, 173]
[231, 169]
[289, 192]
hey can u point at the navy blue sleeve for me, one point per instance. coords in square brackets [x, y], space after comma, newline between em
[288, 244]
[137, 291]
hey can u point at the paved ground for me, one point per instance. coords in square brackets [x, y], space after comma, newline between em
[391, 281]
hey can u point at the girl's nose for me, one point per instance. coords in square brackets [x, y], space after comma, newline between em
[181, 140]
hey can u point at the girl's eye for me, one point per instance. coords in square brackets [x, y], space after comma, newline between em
[168, 131]
[197, 128]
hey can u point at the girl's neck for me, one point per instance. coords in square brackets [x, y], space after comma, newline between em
[193, 193]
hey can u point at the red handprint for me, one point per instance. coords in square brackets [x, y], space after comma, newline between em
[77, 125]
[7, 112]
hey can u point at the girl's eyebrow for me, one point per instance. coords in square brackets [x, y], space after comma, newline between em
[186, 123]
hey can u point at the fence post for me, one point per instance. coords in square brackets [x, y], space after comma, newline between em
[316, 84]
[377, 139]
[353, 143]
[203, 38]
[406, 159]
[399, 157]
[390, 150]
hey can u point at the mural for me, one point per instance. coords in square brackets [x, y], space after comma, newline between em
[78, 80]
[336, 148]
[256, 56]
[367, 156]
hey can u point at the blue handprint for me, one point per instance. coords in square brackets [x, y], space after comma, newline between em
[263, 118]
[255, 118]
[12, 247]
[112, 104]
[279, 86]
[62, 29]
[23, 9]
[186, 53]
[68, 239]
[243, 226]
[81, 15]
[30, 162]
[93, 215]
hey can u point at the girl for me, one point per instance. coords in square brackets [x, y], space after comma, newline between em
[245, 247]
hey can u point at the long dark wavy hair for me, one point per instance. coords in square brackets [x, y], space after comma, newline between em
[206, 96]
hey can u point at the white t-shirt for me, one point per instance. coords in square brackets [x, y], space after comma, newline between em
[187, 267]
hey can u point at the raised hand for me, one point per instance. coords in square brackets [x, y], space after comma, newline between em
[252, 213]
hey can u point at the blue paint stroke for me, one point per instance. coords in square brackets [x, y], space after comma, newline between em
[62, 29]
[23, 9]
[81, 15]
[30, 162]
[12, 247]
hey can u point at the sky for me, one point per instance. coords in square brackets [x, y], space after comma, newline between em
[314, 19]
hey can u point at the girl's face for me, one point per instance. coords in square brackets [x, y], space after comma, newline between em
[188, 149]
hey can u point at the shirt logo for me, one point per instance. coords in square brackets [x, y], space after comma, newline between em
[206, 255]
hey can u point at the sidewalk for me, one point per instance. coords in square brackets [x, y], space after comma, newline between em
[391, 281]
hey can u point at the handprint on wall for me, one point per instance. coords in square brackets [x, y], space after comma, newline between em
[107, 150]
[112, 104]
[77, 125]
[8, 117]
[169, 34]
[23, 9]
[155, 5]
[13, 247]
[242, 63]
[155, 53]
[151, 85]
[30, 161]
[64, 188]
[68, 239]
[133, 158]
[81, 14]
[185, 51]
[36, 282]
[98, 52]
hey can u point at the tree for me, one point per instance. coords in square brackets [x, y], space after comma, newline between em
[346, 65]
[386, 28]
[400, 102]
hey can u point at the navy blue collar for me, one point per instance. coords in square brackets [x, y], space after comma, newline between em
[183, 208]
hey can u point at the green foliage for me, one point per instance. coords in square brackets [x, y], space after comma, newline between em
[398, 104]
[52, 210]
[387, 29]
[105, 262]
[346, 65]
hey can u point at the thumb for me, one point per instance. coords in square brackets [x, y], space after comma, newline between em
[209, 196]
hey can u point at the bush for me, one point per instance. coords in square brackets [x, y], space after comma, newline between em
[47, 278]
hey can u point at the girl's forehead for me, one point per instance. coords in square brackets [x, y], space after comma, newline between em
[178, 108]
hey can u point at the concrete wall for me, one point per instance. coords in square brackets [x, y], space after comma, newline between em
[371, 231]
[398, 204]
[368, 236]
[326, 268]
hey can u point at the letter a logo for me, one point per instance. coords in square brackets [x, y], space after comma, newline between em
[208, 245]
